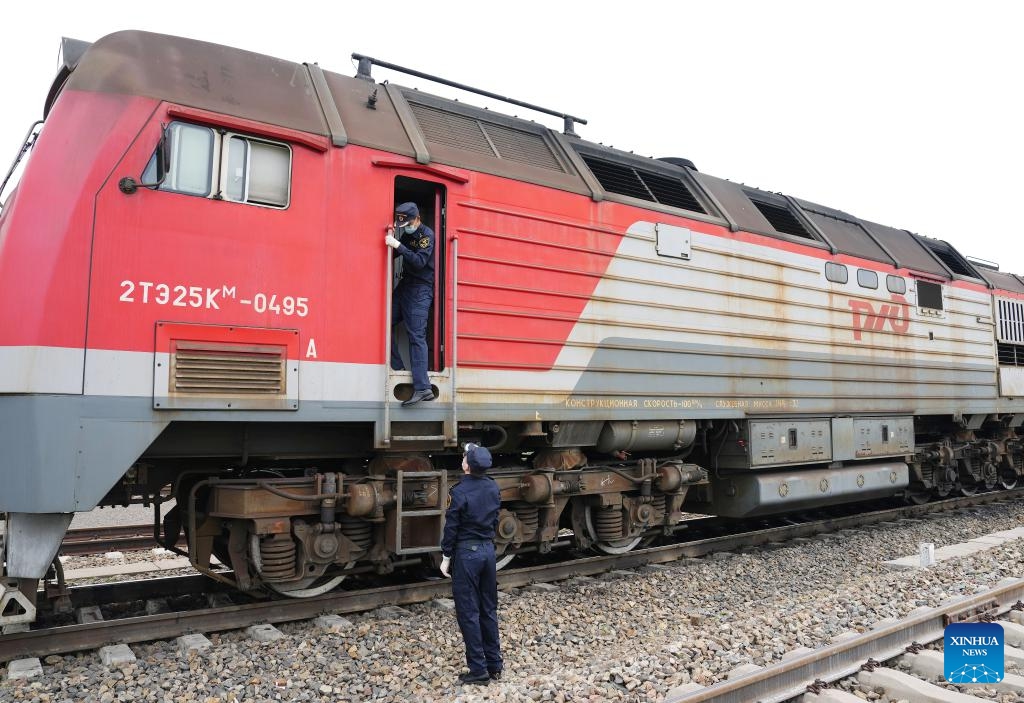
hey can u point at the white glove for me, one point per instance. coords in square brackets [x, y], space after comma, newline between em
[446, 566]
[391, 242]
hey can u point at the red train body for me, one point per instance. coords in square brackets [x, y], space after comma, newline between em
[628, 335]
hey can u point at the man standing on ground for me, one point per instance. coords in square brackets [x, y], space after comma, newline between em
[412, 298]
[468, 550]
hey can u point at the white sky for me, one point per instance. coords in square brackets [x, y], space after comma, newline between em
[905, 113]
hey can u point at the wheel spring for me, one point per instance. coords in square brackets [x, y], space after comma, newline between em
[529, 516]
[928, 474]
[360, 532]
[278, 556]
[657, 502]
[608, 523]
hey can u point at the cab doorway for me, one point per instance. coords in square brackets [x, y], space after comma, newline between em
[430, 199]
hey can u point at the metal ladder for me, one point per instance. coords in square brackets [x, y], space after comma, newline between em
[439, 511]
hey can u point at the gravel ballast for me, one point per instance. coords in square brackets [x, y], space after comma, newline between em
[613, 638]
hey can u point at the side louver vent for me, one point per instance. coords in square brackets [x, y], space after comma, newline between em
[643, 185]
[953, 261]
[207, 368]
[482, 137]
[1011, 355]
[1010, 321]
[782, 219]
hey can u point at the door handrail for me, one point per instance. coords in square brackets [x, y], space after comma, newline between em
[389, 282]
[454, 439]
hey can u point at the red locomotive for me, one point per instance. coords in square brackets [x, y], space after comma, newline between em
[195, 297]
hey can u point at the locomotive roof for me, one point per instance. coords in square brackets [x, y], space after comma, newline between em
[432, 129]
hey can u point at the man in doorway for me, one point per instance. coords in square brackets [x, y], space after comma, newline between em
[411, 302]
[468, 539]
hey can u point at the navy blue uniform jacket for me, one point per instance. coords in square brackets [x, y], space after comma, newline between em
[417, 252]
[473, 513]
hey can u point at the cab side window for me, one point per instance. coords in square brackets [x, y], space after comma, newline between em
[191, 168]
[226, 166]
[257, 172]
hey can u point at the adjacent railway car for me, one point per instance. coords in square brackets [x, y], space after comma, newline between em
[195, 298]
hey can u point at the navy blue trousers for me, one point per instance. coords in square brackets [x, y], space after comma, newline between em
[475, 590]
[410, 306]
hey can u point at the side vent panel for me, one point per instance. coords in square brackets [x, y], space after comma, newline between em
[234, 369]
[454, 130]
[1010, 354]
[950, 257]
[643, 185]
[782, 219]
[1010, 321]
[482, 137]
[207, 367]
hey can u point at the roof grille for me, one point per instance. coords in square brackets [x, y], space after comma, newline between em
[1011, 355]
[524, 147]
[953, 261]
[488, 138]
[645, 185]
[451, 129]
[211, 368]
[782, 219]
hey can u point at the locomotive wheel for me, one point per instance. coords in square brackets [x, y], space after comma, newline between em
[1008, 479]
[308, 587]
[508, 525]
[304, 588]
[614, 546]
[503, 561]
[648, 540]
[918, 494]
[967, 489]
[990, 476]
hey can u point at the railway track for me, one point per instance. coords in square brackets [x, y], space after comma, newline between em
[812, 672]
[96, 540]
[243, 611]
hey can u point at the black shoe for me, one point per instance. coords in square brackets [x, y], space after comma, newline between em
[475, 678]
[425, 394]
[495, 675]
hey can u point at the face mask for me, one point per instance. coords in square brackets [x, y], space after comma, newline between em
[409, 229]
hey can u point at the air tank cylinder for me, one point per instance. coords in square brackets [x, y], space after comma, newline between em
[646, 435]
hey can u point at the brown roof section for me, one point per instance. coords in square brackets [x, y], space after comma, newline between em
[256, 87]
[199, 74]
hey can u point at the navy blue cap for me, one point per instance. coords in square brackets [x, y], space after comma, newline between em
[408, 209]
[478, 458]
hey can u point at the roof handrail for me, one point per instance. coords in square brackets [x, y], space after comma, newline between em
[367, 62]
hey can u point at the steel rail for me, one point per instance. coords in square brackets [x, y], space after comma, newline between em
[143, 589]
[166, 625]
[93, 540]
[791, 678]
